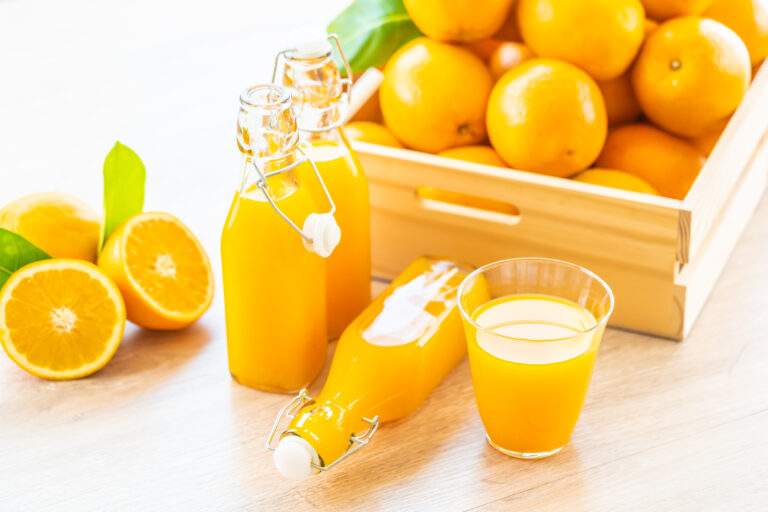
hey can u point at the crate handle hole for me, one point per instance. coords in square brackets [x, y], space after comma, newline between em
[467, 205]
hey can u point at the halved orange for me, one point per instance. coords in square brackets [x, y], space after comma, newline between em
[161, 269]
[61, 318]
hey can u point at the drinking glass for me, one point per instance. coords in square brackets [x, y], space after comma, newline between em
[533, 327]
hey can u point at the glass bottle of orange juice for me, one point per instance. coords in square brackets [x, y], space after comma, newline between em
[386, 363]
[273, 270]
[321, 101]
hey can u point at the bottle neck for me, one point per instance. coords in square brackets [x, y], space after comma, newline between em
[328, 427]
[268, 138]
[320, 97]
[281, 183]
[266, 122]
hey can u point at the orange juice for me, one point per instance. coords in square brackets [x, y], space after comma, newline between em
[386, 363]
[531, 369]
[322, 98]
[274, 291]
[348, 269]
[274, 285]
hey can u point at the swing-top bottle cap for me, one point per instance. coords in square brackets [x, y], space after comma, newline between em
[294, 456]
[309, 42]
[324, 232]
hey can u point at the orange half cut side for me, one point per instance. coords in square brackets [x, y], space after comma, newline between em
[61, 319]
[161, 269]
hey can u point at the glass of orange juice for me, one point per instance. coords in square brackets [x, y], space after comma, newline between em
[533, 327]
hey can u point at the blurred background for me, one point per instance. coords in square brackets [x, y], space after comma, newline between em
[161, 76]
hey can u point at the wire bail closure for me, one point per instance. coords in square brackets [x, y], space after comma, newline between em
[293, 407]
[346, 83]
[261, 183]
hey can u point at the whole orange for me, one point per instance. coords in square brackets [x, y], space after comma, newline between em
[458, 20]
[600, 36]
[374, 133]
[691, 73]
[749, 19]
[479, 154]
[506, 56]
[434, 95]
[663, 9]
[60, 224]
[706, 143]
[620, 102]
[615, 179]
[669, 164]
[547, 116]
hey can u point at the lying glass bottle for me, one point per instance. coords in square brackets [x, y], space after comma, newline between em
[387, 362]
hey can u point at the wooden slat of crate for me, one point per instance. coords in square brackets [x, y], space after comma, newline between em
[698, 278]
[632, 245]
[732, 154]
[623, 227]
[645, 301]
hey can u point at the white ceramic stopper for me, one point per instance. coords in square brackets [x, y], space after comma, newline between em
[324, 232]
[309, 42]
[294, 457]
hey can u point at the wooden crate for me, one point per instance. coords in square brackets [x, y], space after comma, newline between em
[661, 256]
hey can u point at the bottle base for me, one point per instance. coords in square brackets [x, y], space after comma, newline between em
[523, 455]
[266, 387]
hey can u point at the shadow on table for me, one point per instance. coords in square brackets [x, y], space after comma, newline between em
[154, 355]
[147, 362]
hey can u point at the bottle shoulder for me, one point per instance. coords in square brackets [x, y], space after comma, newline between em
[332, 150]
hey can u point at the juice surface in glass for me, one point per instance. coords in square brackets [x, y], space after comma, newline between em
[386, 363]
[530, 393]
[348, 269]
[533, 328]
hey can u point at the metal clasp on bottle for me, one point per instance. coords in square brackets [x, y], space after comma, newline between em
[261, 184]
[292, 408]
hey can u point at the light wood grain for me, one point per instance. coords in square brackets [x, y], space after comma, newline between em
[666, 426]
[712, 188]
[697, 279]
[634, 226]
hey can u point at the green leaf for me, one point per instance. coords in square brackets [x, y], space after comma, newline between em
[15, 252]
[124, 176]
[370, 31]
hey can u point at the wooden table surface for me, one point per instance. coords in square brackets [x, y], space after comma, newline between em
[666, 426]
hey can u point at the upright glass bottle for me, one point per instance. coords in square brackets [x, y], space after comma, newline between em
[321, 100]
[273, 274]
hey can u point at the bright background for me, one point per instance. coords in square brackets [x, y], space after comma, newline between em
[161, 76]
[163, 427]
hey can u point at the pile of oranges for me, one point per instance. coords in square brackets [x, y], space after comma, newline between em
[625, 93]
